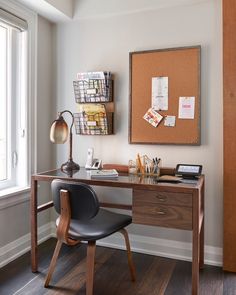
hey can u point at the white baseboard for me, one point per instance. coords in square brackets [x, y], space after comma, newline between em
[140, 244]
[20, 246]
[162, 247]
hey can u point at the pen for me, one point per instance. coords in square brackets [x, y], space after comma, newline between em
[140, 164]
[156, 162]
[154, 165]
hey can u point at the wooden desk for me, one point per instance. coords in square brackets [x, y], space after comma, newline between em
[160, 204]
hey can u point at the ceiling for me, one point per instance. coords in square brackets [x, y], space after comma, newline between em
[53, 10]
[65, 10]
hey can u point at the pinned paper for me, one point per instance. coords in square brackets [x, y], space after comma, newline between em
[160, 93]
[153, 117]
[186, 107]
[169, 121]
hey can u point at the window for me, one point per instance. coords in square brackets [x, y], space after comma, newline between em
[13, 103]
[3, 104]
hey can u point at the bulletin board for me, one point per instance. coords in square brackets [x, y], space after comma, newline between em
[181, 66]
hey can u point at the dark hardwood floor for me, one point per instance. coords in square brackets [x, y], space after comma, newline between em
[155, 275]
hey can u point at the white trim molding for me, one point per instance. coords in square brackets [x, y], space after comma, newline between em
[147, 245]
[164, 248]
[86, 10]
[15, 249]
[53, 10]
[14, 196]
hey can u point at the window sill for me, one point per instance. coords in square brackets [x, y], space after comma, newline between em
[13, 196]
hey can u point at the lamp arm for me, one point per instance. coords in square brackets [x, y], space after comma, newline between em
[72, 116]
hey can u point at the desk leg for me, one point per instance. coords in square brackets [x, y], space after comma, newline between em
[202, 229]
[201, 258]
[34, 226]
[196, 244]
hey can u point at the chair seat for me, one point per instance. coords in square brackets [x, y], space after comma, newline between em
[102, 225]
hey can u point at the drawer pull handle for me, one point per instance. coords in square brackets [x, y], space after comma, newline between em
[161, 212]
[161, 198]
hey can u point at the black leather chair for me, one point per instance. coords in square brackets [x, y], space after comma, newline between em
[81, 219]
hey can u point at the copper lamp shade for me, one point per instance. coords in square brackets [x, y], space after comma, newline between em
[59, 134]
[59, 131]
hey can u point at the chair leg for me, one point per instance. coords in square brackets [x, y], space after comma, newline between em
[90, 267]
[53, 263]
[129, 254]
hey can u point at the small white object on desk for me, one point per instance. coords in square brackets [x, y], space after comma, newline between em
[105, 173]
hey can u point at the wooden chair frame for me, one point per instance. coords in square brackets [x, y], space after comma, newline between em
[62, 237]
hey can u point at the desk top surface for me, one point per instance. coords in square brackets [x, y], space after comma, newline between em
[124, 180]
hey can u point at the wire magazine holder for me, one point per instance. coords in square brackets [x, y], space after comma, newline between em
[93, 119]
[93, 90]
[94, 97]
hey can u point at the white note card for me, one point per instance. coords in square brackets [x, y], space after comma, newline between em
[169, 121]
[160, 93]
[186, 107]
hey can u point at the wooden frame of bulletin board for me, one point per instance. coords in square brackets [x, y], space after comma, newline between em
[181, 66]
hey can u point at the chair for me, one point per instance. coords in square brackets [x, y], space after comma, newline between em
[81, 219]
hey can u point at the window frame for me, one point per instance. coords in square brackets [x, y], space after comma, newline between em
[31, 77]
[11, 108]
[4, 104]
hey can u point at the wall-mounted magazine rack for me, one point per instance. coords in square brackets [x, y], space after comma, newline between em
[93, 119]
[93, 90]
[94, 96]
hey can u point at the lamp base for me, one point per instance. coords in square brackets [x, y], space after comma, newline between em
[69, 166]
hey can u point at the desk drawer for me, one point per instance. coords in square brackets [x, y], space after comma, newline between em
[162, 215]
[167, 209]
[166, 198]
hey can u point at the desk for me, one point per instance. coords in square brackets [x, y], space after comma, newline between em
[172, 205]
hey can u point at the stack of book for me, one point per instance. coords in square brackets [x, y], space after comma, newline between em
[105, 173]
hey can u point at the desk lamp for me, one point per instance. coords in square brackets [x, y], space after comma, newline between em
[59, 134]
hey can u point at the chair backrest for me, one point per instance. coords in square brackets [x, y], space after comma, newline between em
[83, 199]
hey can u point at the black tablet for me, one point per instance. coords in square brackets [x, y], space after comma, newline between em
[188, 170]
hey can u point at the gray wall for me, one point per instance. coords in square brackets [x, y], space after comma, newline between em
[100, 38]
[44, 108]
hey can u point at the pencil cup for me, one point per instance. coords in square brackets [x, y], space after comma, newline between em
[132, 167]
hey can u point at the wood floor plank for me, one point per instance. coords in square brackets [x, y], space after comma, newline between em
[155, 275]
[68, 259]
[110, 275]
[181, 279]
[16, 274]
[74, 281]
[156, 279]
[114, 277]
[211, 281]
[69, 275]
[229, 283]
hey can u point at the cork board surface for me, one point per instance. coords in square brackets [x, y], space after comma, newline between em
[182, 67]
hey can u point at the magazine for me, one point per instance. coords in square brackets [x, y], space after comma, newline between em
[92, 119]
[105, 173]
